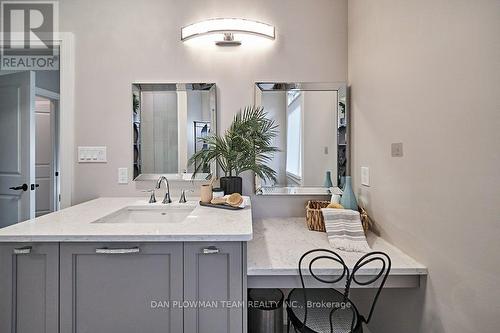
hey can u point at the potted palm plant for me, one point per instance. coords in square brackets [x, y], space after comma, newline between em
[245, 145]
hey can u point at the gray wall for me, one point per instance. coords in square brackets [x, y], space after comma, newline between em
[139, 41]
[427, 73]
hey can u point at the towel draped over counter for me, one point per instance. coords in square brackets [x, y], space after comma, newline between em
[344, 230]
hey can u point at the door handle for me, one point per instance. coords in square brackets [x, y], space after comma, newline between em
[23, 187]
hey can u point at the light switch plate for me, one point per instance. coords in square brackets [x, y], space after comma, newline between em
[365, 176]
[397, 149]
[92, 155]
[122, 175]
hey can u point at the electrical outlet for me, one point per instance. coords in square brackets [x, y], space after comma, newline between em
[365, 176]
[397, 149]
[122, 175]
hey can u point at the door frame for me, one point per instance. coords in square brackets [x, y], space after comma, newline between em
[66, 119]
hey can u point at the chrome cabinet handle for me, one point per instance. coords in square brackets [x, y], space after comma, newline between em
[210, 250]
[105, 250]
[23, 250]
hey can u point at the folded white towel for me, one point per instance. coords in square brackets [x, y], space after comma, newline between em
[344, 230]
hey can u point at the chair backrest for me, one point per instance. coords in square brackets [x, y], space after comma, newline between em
[329, 255]
[381, 273]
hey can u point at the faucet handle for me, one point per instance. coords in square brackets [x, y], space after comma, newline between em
[152, 198]
[182, 199]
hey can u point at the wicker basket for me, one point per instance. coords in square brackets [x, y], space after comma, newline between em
[314, 217]
[316, 222]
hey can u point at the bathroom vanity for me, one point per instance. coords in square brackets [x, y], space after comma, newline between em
[123, 265]
[108, 266]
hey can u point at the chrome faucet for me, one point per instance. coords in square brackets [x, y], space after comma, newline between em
[167, 199]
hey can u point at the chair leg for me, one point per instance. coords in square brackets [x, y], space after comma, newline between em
[287, 324]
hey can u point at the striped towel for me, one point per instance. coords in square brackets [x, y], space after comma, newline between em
[344, 230]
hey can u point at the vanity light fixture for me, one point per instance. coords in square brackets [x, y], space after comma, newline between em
[227, 31]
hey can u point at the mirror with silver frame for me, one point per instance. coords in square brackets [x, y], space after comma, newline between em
[168, 121]
[313, 137]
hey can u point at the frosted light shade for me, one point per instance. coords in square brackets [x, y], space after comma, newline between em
[227, 25]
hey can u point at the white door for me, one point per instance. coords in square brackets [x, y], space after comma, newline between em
[45, 161]
[17, 147]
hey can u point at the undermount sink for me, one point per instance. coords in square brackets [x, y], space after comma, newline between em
[148, 214]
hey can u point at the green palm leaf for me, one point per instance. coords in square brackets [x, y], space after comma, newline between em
[245, 145]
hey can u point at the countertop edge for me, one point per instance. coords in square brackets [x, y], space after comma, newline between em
[294, 272]
[118, 238]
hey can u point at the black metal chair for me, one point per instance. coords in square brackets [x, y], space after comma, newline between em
[326, 310]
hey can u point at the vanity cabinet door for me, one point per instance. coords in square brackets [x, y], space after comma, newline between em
[213, 274]
[121, 288]
[29, 291]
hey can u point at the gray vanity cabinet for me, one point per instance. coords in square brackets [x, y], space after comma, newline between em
[29, 291]
[176, 287]
[121, 288]
[214, 273]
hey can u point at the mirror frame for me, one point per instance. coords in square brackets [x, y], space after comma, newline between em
[212, 88]
[342, 98]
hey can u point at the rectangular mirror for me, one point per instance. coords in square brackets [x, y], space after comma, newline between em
[168, 120]
[313, 136]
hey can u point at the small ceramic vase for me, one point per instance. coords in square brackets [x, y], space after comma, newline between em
[348, 199]
[328, 179]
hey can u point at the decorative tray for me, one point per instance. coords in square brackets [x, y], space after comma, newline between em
[221, 206]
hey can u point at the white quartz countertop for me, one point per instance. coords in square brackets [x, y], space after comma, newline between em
[278, 244]
[75, 224]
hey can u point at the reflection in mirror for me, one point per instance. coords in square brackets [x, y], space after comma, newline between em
[168, 121]
[312, 136]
